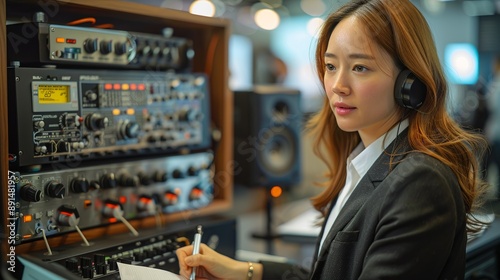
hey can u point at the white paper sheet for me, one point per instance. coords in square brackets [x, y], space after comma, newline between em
[136, 272]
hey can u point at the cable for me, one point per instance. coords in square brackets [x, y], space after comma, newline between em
[49, 251]
[118, 214]
[82, 20]
[158, 216]
[130, 227]
[83, 236]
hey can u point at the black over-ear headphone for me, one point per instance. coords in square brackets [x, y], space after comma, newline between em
[409, 91]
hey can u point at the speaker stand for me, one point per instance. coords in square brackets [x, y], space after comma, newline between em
[268, 235]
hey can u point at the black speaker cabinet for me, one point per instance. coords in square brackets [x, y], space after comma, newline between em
[267, 128]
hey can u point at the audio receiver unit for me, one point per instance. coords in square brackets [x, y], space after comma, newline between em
[40, 44]
[56, 202]
[68, 115]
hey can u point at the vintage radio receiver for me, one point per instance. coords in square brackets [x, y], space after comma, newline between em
[37, 44]
[66, 115]
[55, 202]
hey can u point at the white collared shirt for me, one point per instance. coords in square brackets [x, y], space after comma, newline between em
[358, 163]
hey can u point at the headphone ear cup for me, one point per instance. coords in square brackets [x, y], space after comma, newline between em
[409, 91]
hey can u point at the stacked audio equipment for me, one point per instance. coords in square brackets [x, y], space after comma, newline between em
[112, 117]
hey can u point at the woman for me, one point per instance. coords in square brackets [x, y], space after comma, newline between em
[402, 174]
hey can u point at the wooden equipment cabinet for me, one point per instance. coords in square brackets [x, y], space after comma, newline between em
[210, 38]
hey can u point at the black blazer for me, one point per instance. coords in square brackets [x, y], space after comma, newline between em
[404, 223]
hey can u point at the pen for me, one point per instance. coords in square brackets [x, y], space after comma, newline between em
[196, 248]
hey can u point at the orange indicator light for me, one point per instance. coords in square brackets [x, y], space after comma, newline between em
[130, 111]
[125, 87]
[116, 112]
[108, 86]
[87, 203]
[141, 87]
[27, 218]
[117, 86]
[60, 40]
[276, 191]
[133, 87]
[123, 199]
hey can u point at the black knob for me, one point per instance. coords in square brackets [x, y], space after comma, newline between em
[177, 174]
[139, 257]
[30, 193]
[192, 171]
[108, 181]
[79, 185]
[85, 261]
[87, 272]
[105, 47]
[55, 189]
[120, 48]
[128, 129]
[131, 130]
[144, 178]
[127, 180]
[72, 264]
[99, 258]
[113, 265]
[160, 176]
[96, 121]
[90, 45]
[101, 268]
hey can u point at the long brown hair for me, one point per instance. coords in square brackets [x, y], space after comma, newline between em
[399, 28]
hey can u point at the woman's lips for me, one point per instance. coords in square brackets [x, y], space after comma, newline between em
[343, 109]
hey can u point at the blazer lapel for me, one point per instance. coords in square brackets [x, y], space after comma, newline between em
[376, 174]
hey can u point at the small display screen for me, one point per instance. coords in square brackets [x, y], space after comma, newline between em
[53, 94]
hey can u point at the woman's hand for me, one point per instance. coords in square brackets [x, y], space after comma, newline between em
[211, 265]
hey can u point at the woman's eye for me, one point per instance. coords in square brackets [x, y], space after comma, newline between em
[329, 67]
[359, 68]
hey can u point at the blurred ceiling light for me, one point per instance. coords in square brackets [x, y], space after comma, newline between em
[267, 19]
[313, 7]
[202, 8]
[314, 26]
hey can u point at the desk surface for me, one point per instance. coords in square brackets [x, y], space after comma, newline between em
[302, 230]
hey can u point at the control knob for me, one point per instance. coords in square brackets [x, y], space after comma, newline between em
[55, 189]
[108, 181]
[146, 204]
[90, 45]
[128, 129]
[112, 209]
[79, 185]
[105, 47]
[96, 121]
[120, 48]
[170, 198]
[195, 194]
[67, 215]
[71, 120]
[30, 193]
[127, 180]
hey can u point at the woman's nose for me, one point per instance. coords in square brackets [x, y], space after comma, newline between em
[340, 84]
